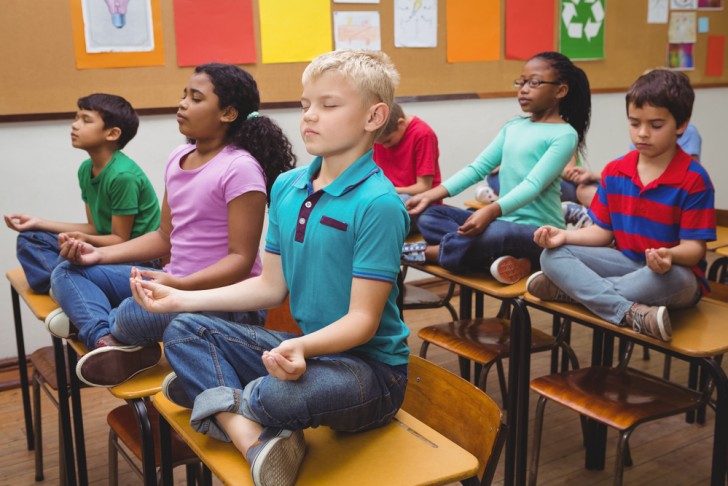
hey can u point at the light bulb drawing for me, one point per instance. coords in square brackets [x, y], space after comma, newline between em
[117, 9]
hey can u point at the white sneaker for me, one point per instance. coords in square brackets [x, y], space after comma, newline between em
[58, 324]
[509, 270]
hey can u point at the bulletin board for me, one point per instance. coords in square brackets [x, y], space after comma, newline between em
[39, 76]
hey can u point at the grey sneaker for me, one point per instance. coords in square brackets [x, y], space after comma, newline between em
[58, 324]
[276, 457]
[539, 285]
[650, 320]
[575, 215]
[175, 392]
[509, 270]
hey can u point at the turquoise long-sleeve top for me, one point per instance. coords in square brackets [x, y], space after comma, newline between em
[531, 156]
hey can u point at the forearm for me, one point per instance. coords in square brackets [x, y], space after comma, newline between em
[60, 227]
[352, 330]
[104, 240]
[252, 294]
[590, 236]
[687, 253]
[424, 183]
[228, 270]
[141, 249]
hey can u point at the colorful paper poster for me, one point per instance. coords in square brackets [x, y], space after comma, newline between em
[294, 31]
[657, 11]
[703, 25]
[683, 27]
[415, 23]
[118, 26]
[473, 30]
[582, 29]
[715, 57]
[117, 33]
[357, 30]
[710, 4]
[356, 1]
[680, 56]
[219, 31]
[526, 32]
[683, 4]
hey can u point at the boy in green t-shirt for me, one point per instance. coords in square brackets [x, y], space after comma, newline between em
[120, 201]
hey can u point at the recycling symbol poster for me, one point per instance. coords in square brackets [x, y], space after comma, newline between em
[582, 29]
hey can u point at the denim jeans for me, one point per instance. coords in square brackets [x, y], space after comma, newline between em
[219, 363]
[38, 253]
[608, 283]
[462, 254]
[98, 301]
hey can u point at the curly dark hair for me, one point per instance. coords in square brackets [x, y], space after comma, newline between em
[259, 135]
[575, 107]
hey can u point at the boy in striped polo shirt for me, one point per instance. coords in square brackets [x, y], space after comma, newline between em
[656, 204]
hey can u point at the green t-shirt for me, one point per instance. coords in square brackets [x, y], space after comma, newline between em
[121, 189]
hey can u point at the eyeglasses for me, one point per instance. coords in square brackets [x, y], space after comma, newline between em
[532, 83]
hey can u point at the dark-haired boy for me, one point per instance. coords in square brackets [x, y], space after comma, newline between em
[657, 204]
[120, 201]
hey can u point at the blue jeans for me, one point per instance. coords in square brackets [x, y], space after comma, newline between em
[607, 282]
[38, 254]
[219, 363]
[568, 188]
[98, 301]
[462, 254]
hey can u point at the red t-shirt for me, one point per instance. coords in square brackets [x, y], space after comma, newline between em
[416, 155]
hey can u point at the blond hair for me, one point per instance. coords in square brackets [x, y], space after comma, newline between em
[372, 73]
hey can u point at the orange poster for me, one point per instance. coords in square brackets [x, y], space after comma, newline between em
[473, 30]
[105, 33]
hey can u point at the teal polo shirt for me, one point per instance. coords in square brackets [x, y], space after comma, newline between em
[352, 228]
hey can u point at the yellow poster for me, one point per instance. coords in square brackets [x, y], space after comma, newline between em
[294, 31]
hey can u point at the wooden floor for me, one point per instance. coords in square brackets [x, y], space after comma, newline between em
[667, 452]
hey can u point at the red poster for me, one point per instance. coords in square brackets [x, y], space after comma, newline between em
[716, 54]
[214, 31]
[530, 28]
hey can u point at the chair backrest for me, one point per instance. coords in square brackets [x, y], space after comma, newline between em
[458, 410]
[280, 319]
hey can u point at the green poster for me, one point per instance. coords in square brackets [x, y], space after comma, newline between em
[582, 29]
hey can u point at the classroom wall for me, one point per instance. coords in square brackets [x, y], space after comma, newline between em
[39, 165]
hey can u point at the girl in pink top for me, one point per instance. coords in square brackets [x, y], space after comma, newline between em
[216, 190]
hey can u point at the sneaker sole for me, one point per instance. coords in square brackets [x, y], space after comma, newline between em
[283, 454]
[186, 403]
[99, 355]
[661, 324]
[509, 270]
[59, 331]
[530, 279]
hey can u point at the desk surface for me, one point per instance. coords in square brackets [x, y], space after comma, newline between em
[404, 452]
[479, 282]
[39, 304]
[697, 332]
[723, 251]
[721, 238]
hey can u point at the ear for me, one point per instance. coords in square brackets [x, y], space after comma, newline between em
[113, 134]
[562, 91]
[376, 117]
[229, 115]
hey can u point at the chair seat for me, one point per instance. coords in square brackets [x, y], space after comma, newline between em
[44, 363]
[414, 295]
[480, 340]
[619, 398]
[124, 422]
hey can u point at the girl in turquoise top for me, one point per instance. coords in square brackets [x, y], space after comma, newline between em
[531, 152]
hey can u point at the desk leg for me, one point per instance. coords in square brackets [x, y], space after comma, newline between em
[466, 312]
[517, 409]
[720, 434]
[22, 368]
[165, 451]
[595, 433]
[64, 411]
[77, 417]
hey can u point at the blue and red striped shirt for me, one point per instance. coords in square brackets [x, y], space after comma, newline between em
[678, 205]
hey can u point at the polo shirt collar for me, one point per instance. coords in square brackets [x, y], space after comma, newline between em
[363, 168]
[674, 174]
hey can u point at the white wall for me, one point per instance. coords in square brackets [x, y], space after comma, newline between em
[39, 165]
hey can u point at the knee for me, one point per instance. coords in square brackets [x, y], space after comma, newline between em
[549, 256]
[181, 327]
[61, 271]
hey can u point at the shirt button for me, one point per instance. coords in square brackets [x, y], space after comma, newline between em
[302, 221]
[308, 204]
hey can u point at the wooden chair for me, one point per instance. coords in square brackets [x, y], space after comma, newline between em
[620, 397]
[124, 429]
[427, 443]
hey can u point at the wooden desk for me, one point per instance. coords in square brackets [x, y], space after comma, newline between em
[699, 336]
[721, 238]
[41, 305]
[473, 204]
[404, 452]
